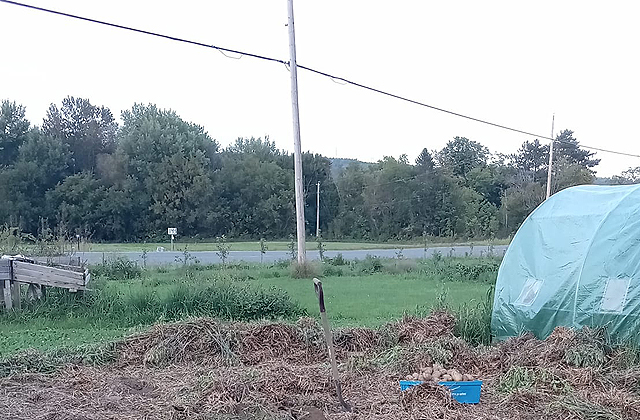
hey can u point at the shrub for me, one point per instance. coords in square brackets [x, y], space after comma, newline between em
[338, 260]
[370, 265]
[118, 269]
[329, 270]
[307, 270]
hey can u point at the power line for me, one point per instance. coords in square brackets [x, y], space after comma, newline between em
[402, 98]
[335, 79]
[142, 31]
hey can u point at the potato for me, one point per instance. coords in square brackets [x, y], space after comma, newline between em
[447, 377]
[428, 370]
[457, 376]
[437, 366]
[421, 377]
[408, 377]
[435, 377]
[467, 377]
[427, 377]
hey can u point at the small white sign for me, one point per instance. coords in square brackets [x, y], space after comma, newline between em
[172, 231]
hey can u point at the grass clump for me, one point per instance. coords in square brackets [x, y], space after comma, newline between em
[35, 361]
[305, 270]
[529, 379]
[146, 301]
[585, 410]
[591, 348]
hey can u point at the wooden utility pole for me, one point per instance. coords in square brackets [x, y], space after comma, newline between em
[318, 211]
[553, 120]
[297, 148]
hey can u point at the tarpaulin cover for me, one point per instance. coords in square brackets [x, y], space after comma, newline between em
[574, 262]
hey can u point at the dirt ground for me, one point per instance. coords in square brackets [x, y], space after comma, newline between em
[203, 369]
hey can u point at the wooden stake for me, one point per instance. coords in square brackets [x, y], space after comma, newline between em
[317, 284]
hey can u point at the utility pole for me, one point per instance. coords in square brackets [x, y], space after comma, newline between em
[297, 149]
[553, 120]
[318, 211]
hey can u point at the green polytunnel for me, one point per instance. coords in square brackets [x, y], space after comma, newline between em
[574, 262]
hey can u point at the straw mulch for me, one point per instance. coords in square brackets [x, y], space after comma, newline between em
[203, 369]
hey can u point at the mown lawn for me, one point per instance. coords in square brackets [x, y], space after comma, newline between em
[377, 299]
[367, 293]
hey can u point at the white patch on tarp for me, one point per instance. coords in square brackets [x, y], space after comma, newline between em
[529, 292]
[615, 295]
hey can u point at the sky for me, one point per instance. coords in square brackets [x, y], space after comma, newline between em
[512, 63]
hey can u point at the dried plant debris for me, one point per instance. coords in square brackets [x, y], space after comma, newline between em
[204, 369]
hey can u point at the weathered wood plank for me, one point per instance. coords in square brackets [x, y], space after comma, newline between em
[54, 276]
[42, 270]
[49, 270]
[6, 294]
[28, 276]
[50, 282]
[5, 270]
[47, 276]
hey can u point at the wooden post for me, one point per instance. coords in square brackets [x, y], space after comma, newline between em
[15, 293]
[549, 169]
[317, 284]
[6, 293]
[297, 148]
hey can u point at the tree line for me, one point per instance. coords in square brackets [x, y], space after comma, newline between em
[83, 172]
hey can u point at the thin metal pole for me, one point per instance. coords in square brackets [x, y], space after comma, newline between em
[297, 149]
[318, 211]
[553, 120]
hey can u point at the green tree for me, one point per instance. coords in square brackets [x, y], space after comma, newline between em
[532, 159]
[317, 168]
[519, 201]
[568, 174]
[14, 129]
[42, 162]
[630, 176]
[389, 195]
[425, 162]
[489, 181]
[567, 146]
[256, 191]
[170, 163]
[461, 155]
[352, 220]
[76, 202]
[88, 130]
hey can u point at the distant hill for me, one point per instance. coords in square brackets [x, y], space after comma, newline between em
[338, 165]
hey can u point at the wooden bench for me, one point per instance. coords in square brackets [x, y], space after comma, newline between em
[19, 271]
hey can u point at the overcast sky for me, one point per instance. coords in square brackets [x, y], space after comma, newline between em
[513, 63]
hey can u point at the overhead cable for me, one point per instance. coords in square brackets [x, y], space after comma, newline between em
[336, 79]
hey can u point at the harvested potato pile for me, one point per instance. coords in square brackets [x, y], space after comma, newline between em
[437, 373]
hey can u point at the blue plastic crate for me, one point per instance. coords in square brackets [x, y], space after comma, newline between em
[466, 392]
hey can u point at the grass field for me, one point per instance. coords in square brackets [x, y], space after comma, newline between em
[272, 246]
[202, 368]
[367, 293]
